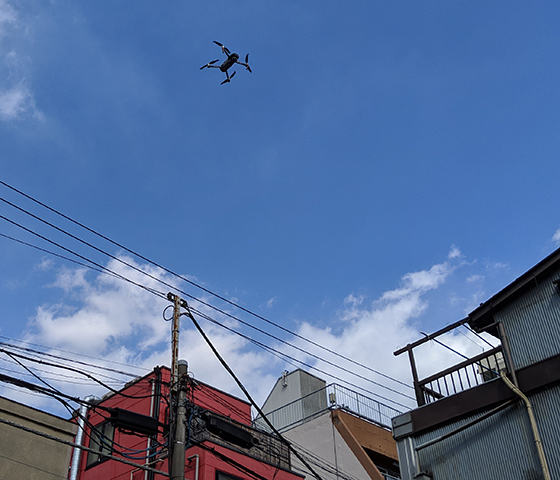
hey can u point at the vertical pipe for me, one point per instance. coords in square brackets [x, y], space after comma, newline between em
[75, 466]
[196, 457]
[533, 421]
[507, 353]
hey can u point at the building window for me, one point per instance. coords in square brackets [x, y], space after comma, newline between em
[100, 440]
[225, 476]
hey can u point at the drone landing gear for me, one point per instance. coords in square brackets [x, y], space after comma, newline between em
[228, 79]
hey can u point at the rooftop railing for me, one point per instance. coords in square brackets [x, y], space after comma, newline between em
[330, 397]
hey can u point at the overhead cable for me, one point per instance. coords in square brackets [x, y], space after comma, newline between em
[161, 295]
[247, 394]
[230, 302]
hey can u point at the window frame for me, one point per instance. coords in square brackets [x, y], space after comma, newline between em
[105, 447]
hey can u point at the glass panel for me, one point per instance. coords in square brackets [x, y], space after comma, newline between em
[101, 440]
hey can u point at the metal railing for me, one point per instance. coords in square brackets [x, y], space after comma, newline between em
[470, 373]
[330, 397]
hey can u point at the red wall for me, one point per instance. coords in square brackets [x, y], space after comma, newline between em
[204, 396]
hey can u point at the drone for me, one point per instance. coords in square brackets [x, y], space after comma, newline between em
[232, 59]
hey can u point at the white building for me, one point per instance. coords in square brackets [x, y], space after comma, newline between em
[342, 434]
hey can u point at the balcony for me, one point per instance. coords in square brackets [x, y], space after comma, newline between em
[255, 443]
[470, 373]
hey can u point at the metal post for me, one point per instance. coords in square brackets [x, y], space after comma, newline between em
[419, 393]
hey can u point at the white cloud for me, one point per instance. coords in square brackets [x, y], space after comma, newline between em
[420, 282]
[475, 278]
[17, 101]
[556, 237]
[107, 318]
[8, 17]
[353, 300]
[454, 253]
[16, 97]
[372, 332]
[271, 302]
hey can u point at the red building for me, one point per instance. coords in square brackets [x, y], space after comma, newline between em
[129, 430]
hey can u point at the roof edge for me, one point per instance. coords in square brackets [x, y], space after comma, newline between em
[481, 317]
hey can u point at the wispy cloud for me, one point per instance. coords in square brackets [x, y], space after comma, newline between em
[107, 318]
[16, 97]
[556, 237]
[372, 331]
[7, 17]
[16, 102]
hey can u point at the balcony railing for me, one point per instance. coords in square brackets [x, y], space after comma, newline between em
[470, 373]
[330, 397]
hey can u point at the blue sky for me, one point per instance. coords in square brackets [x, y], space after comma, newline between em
[386, 167]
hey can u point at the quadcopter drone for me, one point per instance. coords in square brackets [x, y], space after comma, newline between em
[232, 59]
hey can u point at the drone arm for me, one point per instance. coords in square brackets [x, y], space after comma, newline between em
[246, 65]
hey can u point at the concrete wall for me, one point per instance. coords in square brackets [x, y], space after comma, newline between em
[299, 395]
[322, 438]
[24, 455]
[292, 387]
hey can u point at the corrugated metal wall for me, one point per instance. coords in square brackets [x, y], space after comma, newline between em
[500, 447]
[532, 323]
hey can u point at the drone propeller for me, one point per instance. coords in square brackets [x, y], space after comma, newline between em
[223, 47]
[208, 64]
[247, 63]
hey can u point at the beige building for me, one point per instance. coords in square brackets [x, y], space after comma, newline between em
[27, 455]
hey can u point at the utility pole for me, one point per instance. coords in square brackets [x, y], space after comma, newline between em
[179, 444]
[178, 396]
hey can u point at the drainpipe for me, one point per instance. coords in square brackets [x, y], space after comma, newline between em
[74, 469]
[195, 457]
[533, 422]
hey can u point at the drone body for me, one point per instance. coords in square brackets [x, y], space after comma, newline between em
[232, 59]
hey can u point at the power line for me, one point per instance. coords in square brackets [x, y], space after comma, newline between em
[83, 258]
[160, 294]
[260, 317]
[270, 349]
[283, 355]
[106, 270]
[101, 367]
[88, 375]
[81, 447]
[244, 390]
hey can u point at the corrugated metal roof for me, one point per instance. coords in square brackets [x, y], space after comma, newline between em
[482, 316]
